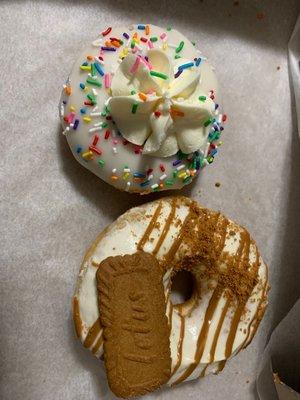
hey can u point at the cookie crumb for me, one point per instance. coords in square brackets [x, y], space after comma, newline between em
[236, 3]
[278, 67]
[217, 184]
[247, 381]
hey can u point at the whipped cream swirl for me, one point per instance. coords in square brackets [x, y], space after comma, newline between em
[157, 103]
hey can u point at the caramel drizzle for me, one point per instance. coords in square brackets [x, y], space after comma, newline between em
[92, 334]
[150, 227]
[218, 330]
[179, 345]
[77, 318]
[166, 227]
[98, 344]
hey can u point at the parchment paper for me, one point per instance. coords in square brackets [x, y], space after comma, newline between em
[52, 208]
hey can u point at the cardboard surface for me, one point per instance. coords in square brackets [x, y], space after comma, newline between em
[52, 208]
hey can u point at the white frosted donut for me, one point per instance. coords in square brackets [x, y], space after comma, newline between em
[230, 290]
[139, 110]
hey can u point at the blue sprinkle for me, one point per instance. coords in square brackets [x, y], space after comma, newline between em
[141, 27]
[198, 62]
[85, 64]
[177, 162]
[146, 183]
[76, 123]
[216, 126]
[198, 165]
[126, 36]
[221, 128]
[78, 149]
[83, 110]
[82, 86]
[108, 48]
[139, 175]
[216, 106]
[99, 68]
[178, 73]
[64, 102]
[213, 152]
[185, 66]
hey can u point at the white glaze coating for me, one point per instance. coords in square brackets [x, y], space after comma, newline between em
[125, 166]
[123, 236]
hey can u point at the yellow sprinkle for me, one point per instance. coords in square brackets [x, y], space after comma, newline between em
[72, 108]
[126, 175]
[85, 67]
[165, 46]
[87, 119]
[88, 155]
[125, 51]
[182, 175]
[86, 89]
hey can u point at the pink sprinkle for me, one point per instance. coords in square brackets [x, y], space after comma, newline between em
[134, 50]
[107, 80]
[70, 117]
[163, 35]
[150, 44]
[115, 141]
[135, 66]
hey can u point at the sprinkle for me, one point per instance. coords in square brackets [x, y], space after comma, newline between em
[142, 96]
[198, 62]
[92, 98]
[202, 98]
[78, 149]
[145, 183]
[154, 39]
[107, 81]
[107, 134]
[95, 114]
[158, 74]
[95, 82]
[87, 155]
[169, 182]
[180, 167]
[95, 140]
[126, 36]
[127, 170]
[163, 35]
[224, 118]
[178, 73]
[141, 27]
[107, 31]
[169, 28]
[155, 186]
[85, 67]
[95, 150]
[175, 173]
[116, 43]
[187, 179]
[139, 175]
[76, 123]
[82, 86]
[149, 171]
[135, 66]
[114, 170]
[83, 110]
[114, 177]
[150, 44]
[144, 40]
[186, 65]
[87, 119]
[134, 108]
[66, 130]
[207, 122]
[147, 30]
[180, 47]
[115, 151]
[162, 167]
[177, 162]
[163, 177]
[182, 175]
[177, 56]
[105, 48]
[98, 68]
[157, 114]
[128, 185]
[101, 163]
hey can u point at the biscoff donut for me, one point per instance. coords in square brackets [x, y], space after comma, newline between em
[230, 282]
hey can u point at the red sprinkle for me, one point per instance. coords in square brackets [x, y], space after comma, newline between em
[212, 97]
[106, 32]
[149, 171]
[107, 134]
[125, 142]
[96, 139]
[157, 114]
[101, 58]
[162, 168]
[143, 39]
[224, 118]
[95, 150]
[88, 103]
[109, 118]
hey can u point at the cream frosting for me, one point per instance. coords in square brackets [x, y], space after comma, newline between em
[187, 324]
[175, 129]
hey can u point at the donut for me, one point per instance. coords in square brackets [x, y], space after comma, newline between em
[230, 282]
[139, 109]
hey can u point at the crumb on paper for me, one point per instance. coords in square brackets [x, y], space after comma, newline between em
[260, 15]
[217, 184]
[278, 67]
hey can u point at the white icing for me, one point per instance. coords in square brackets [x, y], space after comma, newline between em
[122, 238]
[168, 134]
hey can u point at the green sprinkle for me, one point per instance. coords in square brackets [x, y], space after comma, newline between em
[85, 67]
[169, 182]
[175, 173]
[132, 44]
[177, 56]
[194, 43]
[101, 163]
[202, 98]
[153, 39]
[187, 179]
[104, 124]
[158, 74]
[202, 162]
[180, 47]
[210, 159]
[103, 114]
[134, 108]
[208, 122]
[94, 82]
[169, 28]
[93, 70]
[133, 92]
[92, 98]
[121, 42]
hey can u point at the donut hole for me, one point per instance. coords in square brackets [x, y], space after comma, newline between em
[183, 286]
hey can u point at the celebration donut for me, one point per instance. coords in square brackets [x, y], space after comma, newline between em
[140, 109]
[228, 300]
